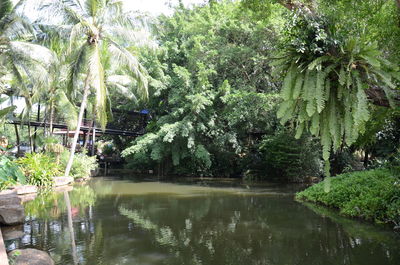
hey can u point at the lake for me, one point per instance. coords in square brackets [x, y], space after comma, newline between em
[131, 221]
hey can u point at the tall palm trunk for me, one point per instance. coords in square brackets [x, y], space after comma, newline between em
[51, 118]
[30, 136]
[87, 138]
[78, 126]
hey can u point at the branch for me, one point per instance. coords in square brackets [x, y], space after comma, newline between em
[378, 97]
[294, 5]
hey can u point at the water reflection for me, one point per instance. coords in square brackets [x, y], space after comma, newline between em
[122, 222]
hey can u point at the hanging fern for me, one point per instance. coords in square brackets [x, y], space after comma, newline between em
[326, 95]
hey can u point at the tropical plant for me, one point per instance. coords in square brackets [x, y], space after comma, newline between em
[82, 165]
[10, 173]
[99, 30]
[5, 111]
[212, 94]
[28, 63]
[39, 168]
[289, 159]
[329, 83]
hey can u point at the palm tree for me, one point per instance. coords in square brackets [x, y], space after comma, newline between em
[56, 98]
[28, 64]
[97, 36]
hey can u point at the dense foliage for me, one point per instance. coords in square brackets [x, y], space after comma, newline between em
[39, 168]
[251, 88]
[212, 94]
[82, 165]
[294, 160]
[373, 195]
[10, 173]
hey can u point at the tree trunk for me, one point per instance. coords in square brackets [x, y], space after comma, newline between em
[366, 157]
[17, 136]
[36, 128]
[87, 138]
[30, 137]
[93, 138]
[51, 118]
[78, 126]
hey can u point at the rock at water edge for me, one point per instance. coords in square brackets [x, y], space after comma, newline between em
[30, 256]
[12, 214]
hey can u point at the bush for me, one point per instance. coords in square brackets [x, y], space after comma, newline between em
[39, 168]
[10, 173]
[291, 159]
[373, 195]
[82, 165]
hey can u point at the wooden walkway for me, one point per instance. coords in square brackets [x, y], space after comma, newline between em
[129, 123]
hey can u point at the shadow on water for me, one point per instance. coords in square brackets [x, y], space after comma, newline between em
[123, 221]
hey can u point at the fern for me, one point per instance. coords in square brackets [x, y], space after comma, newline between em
[327, 94]
[342, 76]
[298, 86]
[319, 91]
[288, 83]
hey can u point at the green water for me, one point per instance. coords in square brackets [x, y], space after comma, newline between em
[128, 222]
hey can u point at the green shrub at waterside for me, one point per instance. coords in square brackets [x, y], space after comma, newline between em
[289, 159]
[39, 168]
[373, 195]
[82, 165]
[10, 173]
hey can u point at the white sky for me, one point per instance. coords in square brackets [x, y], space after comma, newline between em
[153, 7]
[157, 7]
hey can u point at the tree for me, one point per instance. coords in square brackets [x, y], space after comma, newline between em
[98, 28]
[26, 63]
[212, 92]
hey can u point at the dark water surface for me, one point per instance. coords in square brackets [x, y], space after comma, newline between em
[114, 221]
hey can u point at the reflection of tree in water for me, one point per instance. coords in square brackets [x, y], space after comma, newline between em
[49, 226]
[200, 246]
[50, 205]
[215, 228]
[249, 230]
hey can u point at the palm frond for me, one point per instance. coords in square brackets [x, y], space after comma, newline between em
[97, 82]
[16, 27]
[5, 8]
[70, 10]
[123, 85]
[33, 52]
[93, 6]
[67, 110]
[125, 58]
[78, 65]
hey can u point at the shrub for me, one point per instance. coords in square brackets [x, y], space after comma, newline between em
[291, 159]
[373, 195]
[10, 173]
[39, 168]
[82, 165]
